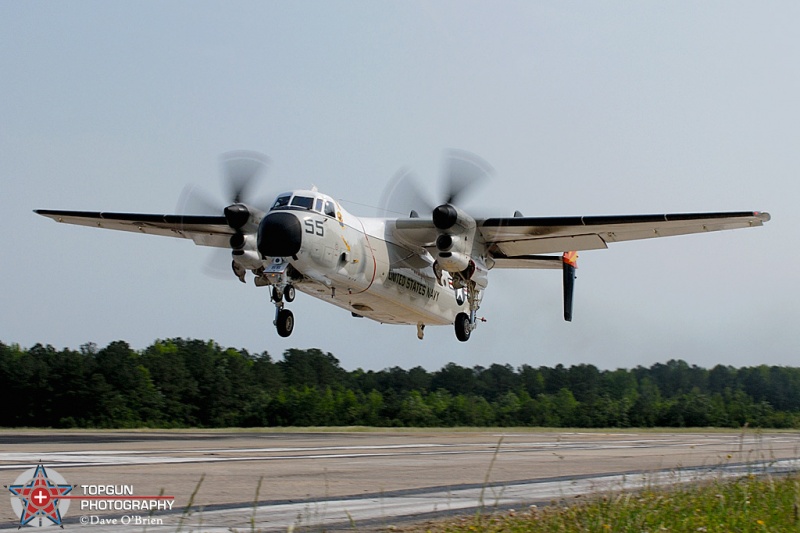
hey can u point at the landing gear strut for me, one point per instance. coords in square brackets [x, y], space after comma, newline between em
[279, 274]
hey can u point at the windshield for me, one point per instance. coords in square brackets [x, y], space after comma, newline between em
[282, 201]
[303, 201]
[312, 203]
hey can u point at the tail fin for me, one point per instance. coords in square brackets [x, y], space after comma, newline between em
[569, 263]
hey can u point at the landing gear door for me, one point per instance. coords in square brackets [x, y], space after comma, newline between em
[276, 271]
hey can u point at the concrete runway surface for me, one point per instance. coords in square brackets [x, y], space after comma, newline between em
[359, 480]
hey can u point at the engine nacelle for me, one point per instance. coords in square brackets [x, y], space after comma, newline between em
[454, 243]
[248, 259]
[474, 271]
[453, 262]
[245, 252]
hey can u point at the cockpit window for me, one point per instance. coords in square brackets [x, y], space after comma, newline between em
[282, 201]
[318, 207]
[303, 201]
[329, 209]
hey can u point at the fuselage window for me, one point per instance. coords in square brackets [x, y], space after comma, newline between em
[329, 209]
[303, 201]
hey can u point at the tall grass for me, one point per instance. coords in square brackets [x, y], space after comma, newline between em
[748, 504]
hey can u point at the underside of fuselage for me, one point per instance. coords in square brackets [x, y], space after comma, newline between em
[396, 296]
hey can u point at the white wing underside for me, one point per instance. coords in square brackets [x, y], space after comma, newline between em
[517, 242]
[203, 230]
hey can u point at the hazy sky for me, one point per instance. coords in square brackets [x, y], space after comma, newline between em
[582, 108]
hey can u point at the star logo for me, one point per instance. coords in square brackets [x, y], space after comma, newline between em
[37, 494]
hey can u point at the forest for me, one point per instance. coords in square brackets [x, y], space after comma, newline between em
[179, 383]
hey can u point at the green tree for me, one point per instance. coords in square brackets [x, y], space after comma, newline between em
[455, 379]
[415, 412]
[174, 381]
[312, 368]
[132, 397]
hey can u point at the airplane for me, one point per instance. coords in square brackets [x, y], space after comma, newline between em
[428, 268]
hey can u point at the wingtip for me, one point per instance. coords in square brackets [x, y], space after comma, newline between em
[764, 216]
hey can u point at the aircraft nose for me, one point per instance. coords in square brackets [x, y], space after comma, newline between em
[279, 235]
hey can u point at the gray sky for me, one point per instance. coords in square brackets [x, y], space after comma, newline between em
[582, 108]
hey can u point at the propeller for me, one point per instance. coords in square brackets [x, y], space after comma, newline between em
[462, 171]
[241, 171]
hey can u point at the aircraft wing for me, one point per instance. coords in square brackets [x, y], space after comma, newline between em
[510, 240]
[205, 230]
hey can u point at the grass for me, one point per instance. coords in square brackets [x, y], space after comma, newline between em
[748, 504]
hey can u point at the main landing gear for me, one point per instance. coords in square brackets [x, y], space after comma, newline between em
[284, 318]
[465, 323]
[463, 327]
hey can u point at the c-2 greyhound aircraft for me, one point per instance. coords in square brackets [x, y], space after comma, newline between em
[428, 268]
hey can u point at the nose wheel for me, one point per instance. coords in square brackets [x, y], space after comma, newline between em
[284, 322]
[289, 293]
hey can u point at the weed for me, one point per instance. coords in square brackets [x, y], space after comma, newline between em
[748, 504]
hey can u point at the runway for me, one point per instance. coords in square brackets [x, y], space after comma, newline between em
[368, 480]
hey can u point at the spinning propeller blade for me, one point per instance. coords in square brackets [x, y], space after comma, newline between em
[403, 194]
[461, 172]
[241, 170]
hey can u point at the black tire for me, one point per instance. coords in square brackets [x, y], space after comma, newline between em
[288, 293]
[276, 295]
[462, 325]
[285, 322]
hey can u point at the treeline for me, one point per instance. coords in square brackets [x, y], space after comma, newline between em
[194, 383]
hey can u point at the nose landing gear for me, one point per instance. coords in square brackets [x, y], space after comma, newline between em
[279, 275]
[284, 318]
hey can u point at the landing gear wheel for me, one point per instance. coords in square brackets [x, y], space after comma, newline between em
[463, 327]
[289, 293]
[276, 295]
[285, 322]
